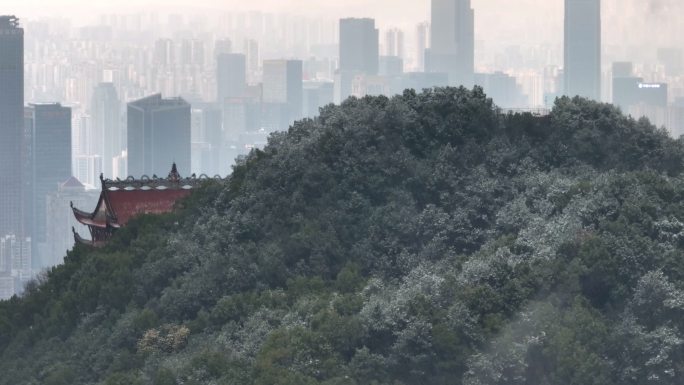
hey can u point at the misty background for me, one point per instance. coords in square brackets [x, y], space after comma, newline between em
[527, 21]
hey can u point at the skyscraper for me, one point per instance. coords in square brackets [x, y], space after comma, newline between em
[452, 48]
[422, 44]
[164, 52]
[253, 56]
[50, 162]
[192, 53]
[11, 124]
[359, 46]
[359, 54]
[231, 75]
[394, 43]
[159, 134]
[583, 48]
[106, 126]
[283, 92]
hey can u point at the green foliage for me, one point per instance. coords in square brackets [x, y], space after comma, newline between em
[419, 239]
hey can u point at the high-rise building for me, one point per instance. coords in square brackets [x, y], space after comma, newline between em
[359, 54]
[15, 265]
[106, 126]
[159, 134]
[394, 43]
[253, 55]
[11, 124]
[231, 75]
[583, 48]
[283, 91]
[317, 95]
[88, 168]
[391, 66]
[631, 91]
[502, 88]
[452, 49]
[49, 165]
[192, 53]
[422, 44]
[675, 114]
[164, 52]
[359, 46]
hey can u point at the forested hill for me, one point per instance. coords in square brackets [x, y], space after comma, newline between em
[422, 239]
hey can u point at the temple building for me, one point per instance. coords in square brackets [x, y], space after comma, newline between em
[122, 200]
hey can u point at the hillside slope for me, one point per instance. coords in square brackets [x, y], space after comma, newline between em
[422, 239]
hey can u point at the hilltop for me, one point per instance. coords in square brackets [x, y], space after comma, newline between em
[420, 239]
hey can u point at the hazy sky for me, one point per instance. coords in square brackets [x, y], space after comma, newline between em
[626, 22]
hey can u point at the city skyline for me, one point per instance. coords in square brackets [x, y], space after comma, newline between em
[532, 20]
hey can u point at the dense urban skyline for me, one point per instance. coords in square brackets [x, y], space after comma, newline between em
[528, 17]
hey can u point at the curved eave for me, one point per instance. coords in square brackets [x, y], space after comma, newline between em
[87, 219]
[80, 213]
[82, 241]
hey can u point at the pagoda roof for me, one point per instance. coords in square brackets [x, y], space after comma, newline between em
[80, 240]
[122, 200]
[116, 208]
[90, 219]
[123, 205]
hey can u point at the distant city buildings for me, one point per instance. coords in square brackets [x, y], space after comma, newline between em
[49, 133]
[231, 76]
[158, 135]
[282, 93]
[638, 98]
[583, 48]
[359, 46]
[395, 43]
[452, 49]
[359, 54]
[502, 88]
[11, 124]
[422, 44]
[15, 265]
[106, 133]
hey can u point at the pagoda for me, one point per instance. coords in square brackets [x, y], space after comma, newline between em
[122, 200]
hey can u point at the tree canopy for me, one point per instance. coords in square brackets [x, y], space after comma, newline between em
[426, 238]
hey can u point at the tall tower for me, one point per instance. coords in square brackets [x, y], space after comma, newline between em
[11, 124]
[159, 134]
[106, 124]
[359, 54]
[283, 92]
[422, 44]
[583, 48]
[359, 46]
[452, 48]
[49, 128]
[231, 76]
[394, 43]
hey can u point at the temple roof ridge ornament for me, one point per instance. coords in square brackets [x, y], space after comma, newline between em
[174, 181]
